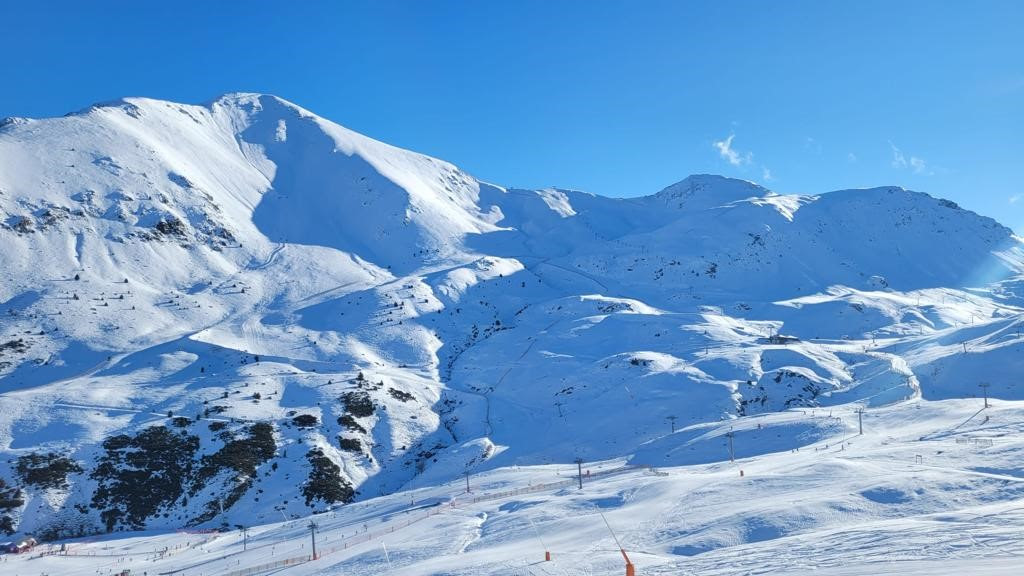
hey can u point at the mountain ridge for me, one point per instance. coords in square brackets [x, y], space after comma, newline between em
[184, 276]
[247, 100]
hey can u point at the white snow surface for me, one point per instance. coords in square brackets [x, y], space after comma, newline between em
[205, 268]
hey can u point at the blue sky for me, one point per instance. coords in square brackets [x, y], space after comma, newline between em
[616, 98]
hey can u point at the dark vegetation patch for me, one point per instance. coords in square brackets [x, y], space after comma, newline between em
[10, 499]
[325, 481]
[350, 424]
[358, 403]
[243, 455]
[140, 475]
[17, 346]
[400, 395]
[305, 421]
[350, 445]
[239, 456]
[46, 470]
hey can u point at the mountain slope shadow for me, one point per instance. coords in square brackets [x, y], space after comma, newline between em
[323, 196]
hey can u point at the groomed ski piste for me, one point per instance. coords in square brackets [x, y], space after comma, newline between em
[929, 488]
[242, 315]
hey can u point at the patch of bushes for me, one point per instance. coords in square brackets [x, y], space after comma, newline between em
[138, 475]
[305, 421]
[350, 423]
[358, 403]
[6, 525]
[16, 346]
[10, 499]
[400, 395]
[46, 470]
[350, 445]
[325, 482]
[243, 456]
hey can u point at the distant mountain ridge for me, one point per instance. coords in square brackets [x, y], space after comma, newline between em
[301, 315]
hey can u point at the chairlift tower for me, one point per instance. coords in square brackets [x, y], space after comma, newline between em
[312, 534]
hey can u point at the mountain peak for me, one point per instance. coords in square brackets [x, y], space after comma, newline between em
[254, 102]
[244, 99]
[699, 191]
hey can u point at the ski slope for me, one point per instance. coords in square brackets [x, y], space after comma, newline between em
[928, 486]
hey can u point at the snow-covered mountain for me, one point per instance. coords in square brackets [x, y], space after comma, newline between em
[225, 313]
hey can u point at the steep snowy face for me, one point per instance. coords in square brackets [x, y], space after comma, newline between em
[329, 186]
[911, 239]
[297, 313]
[246, 170]
[127, 172]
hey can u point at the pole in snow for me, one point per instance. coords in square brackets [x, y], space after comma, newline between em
[672, 420]
[984, 387]
[579, 470]
[630, 569]
[312, 534]
[732, 453]
[467, 482]
[547, 553]
[860, 420]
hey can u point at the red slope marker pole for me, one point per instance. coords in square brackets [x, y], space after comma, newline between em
[630, 569]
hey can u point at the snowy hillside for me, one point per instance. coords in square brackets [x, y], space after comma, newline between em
[242, 313]
[924, 491]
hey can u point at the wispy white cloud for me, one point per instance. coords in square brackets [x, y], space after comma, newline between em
[916, 164]
[898, 160]
[851, 157]
[1015, 198]
[730, 154]
[766, 174]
